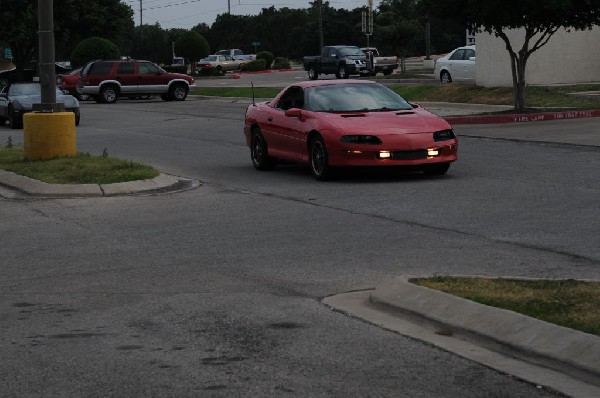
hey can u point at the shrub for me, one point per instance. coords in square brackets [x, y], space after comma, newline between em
[281, 63]
[94, 48]
[257, 64]
[267, 56]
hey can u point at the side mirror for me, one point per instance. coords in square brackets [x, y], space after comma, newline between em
[293, 112]
[415, 106]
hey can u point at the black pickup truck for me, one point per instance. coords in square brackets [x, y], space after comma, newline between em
[341, 60]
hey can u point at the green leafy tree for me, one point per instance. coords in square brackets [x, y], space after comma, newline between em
[94, 48]
[192, 46]
[74, 21]
[151, 43]
[538, 20]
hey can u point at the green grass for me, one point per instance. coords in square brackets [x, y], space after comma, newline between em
[569, 303]
[541, 98]
[81, 169]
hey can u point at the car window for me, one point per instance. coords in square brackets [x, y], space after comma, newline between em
[24, 89]
[100, 68]
[350, 51]
[292, 98]
[469, 53]
[126, 68]
[354, 97]
[458, 54]
[146, 68]
[237, 52]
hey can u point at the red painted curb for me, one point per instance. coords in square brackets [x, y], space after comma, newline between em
[521, 118]
[263, 71]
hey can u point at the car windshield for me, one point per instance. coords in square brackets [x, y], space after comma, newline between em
[210, 58]
[350, 51]
[354, 98]
[27, 89]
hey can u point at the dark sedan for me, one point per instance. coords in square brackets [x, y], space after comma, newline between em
[18, 99]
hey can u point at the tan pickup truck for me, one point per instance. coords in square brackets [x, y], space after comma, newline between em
[377, 63]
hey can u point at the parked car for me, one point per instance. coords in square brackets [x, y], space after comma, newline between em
[68, 84]
[343, 61]
[237, 54]
[17, 99]
[106, 81]
[221, 63]
[458, 65]
[376, 63]
[335, 123]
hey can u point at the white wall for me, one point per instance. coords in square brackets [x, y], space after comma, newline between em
[568, 58]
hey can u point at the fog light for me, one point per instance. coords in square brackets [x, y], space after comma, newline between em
[384, 154]
[433, 152]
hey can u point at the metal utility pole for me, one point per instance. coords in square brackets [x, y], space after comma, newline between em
[321, 43]
[427, 38]
[47, 61]
[141, 21]
[367, 22]
[228, 6]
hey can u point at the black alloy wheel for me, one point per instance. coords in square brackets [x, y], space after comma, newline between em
[342, 73]
[259, 152]
[319, 160]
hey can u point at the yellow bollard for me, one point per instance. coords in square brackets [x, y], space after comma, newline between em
[49, 135]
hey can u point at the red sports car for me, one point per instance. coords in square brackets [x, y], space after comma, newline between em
[68, 84]
[335, 123]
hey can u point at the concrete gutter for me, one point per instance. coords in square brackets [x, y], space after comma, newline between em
[39, 188]
[565, 350]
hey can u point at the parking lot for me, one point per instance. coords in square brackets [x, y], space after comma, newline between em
[216, 290]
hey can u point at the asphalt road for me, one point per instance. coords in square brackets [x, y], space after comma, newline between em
[216, 291]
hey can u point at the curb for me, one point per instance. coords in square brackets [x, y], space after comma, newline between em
[522, 118]
[562, 349]
[40, 188]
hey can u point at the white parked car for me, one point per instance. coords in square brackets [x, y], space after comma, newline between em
[458, 65]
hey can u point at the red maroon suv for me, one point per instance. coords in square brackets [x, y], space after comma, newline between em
[106, 81]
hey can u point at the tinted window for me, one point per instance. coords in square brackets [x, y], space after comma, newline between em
[148, 68]
[469, 54]
[292, 98]
[458, 55]
[100, 68]
[126, 68]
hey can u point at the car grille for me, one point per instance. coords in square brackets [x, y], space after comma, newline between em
[409, 155]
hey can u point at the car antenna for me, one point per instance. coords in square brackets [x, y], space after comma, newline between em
[252, 84]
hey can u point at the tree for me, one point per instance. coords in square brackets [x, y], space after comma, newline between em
[74, 21]
[538, 20]
[192, 46]
[94, 48]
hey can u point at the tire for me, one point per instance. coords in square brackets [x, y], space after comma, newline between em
[109, 94]
[436, 169]
[312, 73]
[259, 152]
[178, 92]
[319, 159]
[82, 97]
[341, 72]
[14, 120]
[445, 77]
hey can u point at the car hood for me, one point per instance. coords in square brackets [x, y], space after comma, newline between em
[26, 101]
[390, 126]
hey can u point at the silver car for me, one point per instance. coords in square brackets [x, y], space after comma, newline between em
[458, 65]
[18, 99]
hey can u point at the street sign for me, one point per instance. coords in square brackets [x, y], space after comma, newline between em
[7, 53]
[256, 44]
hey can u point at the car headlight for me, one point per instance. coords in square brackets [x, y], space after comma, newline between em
[361, 139]
[443, 135]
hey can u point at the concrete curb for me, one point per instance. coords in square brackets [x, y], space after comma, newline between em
[568, 351]
[39, 188]
[522, 118]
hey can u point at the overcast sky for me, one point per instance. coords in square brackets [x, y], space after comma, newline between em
[188, 13]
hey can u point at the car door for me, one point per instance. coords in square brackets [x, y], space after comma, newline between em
[469, 65]
[456, 64]
[328, 60]
[292, 137]
[125, 75]
[151, 79]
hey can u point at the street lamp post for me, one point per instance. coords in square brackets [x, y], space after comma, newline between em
[47, 73]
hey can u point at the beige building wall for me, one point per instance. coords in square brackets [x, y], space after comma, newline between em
[568, 58]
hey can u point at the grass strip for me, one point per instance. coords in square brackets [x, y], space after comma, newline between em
[81, 169]
[569, 303]
[553, 98]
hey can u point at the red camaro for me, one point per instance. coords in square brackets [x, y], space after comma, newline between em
[334, 123]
